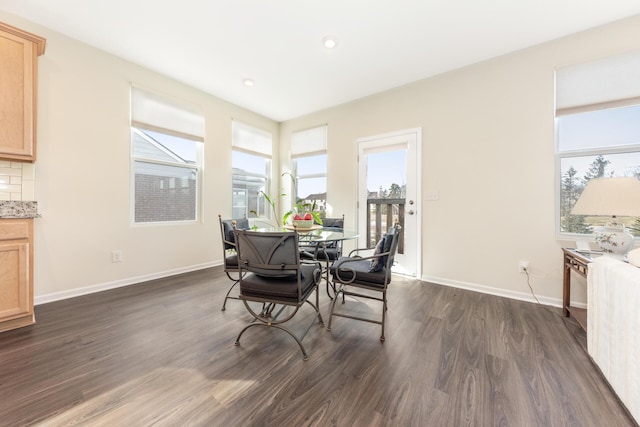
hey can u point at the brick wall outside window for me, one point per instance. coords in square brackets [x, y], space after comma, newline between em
[161, 198]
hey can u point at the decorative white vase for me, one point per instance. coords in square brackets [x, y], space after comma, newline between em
[614, 240]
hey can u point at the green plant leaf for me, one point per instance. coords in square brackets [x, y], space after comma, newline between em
[267, 198]
[316, 217]
[293, 178]
[286, 217]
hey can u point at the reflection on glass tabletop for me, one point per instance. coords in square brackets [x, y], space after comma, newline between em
[318, 235]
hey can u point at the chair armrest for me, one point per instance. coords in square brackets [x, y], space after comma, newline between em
[359, 250]
[351, 270]
[309, 261]
[359, 258]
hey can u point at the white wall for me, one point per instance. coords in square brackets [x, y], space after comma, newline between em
[83, 173]
[488, 148]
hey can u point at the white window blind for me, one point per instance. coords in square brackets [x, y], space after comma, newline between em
[308, 142]
[250, 139]
[155, 112]
[606, 83]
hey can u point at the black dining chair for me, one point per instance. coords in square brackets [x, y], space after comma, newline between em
[229, 253]
[365, 277]
[273, 275]
[333, 250]
[327, 252]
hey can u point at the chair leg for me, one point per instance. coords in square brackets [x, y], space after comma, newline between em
[327, 278]
[329, 293]
[384, 313]
[305, 356]
[235, 282]
[226, 297]
[341, 290]
[317, 307]
[267, 310]
[333, 305]
[267, 319]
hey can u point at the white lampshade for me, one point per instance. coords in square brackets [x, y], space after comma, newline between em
[618, 196]
[613, 197]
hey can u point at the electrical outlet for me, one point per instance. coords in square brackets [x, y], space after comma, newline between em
[523, 266]
[116, 256]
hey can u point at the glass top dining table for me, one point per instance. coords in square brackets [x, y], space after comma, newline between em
[318, 235]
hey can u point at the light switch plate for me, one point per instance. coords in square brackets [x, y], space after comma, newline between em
[431, 195]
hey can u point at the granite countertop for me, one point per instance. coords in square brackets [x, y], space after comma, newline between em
[18, 209]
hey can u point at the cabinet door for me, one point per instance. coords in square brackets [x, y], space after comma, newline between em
[15, 298]
[19, 52]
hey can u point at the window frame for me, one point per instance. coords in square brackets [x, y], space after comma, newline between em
[305, 143]
[586, 152]
[267, 184]
[601, 84]
[254, 141]
[151, 111]
[295, 172]
[197, 167]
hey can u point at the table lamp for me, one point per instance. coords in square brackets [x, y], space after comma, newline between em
[619, 196]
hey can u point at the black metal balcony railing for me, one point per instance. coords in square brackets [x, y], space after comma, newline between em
[382, 214]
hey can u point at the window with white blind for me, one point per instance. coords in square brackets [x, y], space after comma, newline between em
[166, 159]
[309, 166]
[251, 171]
[597, 132]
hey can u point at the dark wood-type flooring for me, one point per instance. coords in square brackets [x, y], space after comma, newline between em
[162, 353]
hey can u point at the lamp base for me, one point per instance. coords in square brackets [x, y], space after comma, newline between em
[614, 240]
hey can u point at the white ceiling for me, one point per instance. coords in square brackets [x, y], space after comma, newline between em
[214, 45]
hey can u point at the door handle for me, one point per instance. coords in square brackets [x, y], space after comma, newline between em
[410, 212]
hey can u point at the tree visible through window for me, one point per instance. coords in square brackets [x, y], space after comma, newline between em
[596, 144]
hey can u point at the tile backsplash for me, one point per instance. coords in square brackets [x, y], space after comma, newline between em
[17, 180]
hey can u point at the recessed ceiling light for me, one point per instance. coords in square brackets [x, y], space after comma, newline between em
[248, 82]
[330, 42]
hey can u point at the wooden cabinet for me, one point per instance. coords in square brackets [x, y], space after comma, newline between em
[16, 273]
[19, 53]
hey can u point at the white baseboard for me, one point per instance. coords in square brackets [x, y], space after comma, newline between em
[522, 296]
[57, 296]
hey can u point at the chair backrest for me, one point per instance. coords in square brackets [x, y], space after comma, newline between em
[269, 254]
[227, 230]
[393, 247]
[333, 222]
